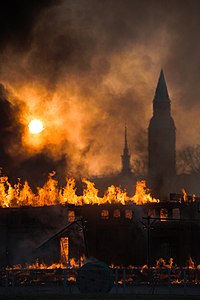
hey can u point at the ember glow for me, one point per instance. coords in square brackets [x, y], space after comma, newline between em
[72, 263]
[22, 195]
[36, 126]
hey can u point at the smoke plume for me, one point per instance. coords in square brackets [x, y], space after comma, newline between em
[87, 67]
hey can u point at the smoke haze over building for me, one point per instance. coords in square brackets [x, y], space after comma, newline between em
[87, 67]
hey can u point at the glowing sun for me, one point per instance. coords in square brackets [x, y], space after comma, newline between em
[35, 126]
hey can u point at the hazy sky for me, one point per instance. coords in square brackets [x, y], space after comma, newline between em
[87, 67]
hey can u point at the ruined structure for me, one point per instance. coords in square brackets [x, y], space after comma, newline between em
[114, 233]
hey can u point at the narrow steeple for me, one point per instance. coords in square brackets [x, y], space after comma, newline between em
[161, 101]
[125, 140]
[125, 157]
[161, 89]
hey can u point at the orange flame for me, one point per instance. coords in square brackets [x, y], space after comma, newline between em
[190, 263]
[161, 263]
[73, 263]
[142, 194]
[22, 195]
[184, 195]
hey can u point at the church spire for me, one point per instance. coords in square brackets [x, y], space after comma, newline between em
[161, 89]
[125, 157]
[125, 139]
[161, 101]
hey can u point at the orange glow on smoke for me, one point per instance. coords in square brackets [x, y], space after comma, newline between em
[22, 195]
[60, 111]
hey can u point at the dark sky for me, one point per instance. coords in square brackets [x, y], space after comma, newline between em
[87, 67]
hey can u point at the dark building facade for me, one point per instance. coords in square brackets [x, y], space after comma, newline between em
[161, 142]
[115, 233]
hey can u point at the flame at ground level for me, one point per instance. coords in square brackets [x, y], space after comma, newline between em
[50, 194]
[73, 263]
[161, 275]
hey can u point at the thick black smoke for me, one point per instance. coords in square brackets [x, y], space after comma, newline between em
[17, 19]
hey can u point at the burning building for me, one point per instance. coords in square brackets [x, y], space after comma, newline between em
[122, 230]
[29, 221]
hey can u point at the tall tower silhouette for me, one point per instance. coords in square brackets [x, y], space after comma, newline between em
[161, 141]
[125, 157]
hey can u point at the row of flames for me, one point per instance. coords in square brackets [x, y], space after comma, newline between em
[163, 272]
[50, 194]
[73, 263]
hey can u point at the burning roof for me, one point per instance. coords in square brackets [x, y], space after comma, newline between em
[19, 194]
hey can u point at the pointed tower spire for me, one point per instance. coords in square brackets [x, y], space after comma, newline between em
[125, 157]
[161, 89]
[161, 101]
[125, 139]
